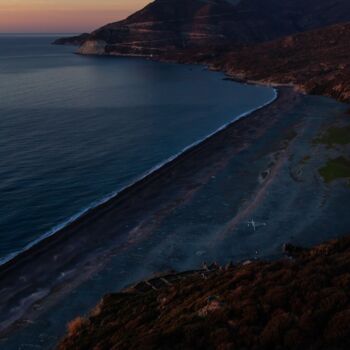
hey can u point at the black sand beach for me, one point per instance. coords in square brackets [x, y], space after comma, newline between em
[266, 148]
[92, 236]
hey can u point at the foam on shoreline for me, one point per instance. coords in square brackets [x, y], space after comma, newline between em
[94, 205]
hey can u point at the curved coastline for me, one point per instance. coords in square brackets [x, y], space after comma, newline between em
[12, 258]
[60, 263]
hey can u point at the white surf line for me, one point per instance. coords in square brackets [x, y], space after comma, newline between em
[113, 195]
[35, 56]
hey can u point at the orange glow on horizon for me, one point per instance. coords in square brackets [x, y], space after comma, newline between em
[59, 16]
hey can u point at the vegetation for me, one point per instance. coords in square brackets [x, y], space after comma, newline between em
[335, 136]
[314, 61]
[338, 168]
[299, 303]
[76, 326]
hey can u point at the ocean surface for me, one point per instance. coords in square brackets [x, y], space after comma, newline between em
[75, 130]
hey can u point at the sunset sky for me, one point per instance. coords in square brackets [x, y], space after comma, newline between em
[58, 16]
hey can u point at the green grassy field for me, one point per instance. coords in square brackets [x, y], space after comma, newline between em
[335, 136]
[338, 168]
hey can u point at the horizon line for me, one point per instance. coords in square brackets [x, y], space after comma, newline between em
[40, 33]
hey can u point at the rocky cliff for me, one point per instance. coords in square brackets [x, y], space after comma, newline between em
[164, 25]
[297, 303]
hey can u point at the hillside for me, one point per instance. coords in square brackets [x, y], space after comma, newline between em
[179, 24]
[299, 303]
[237, 37]
[318, 62]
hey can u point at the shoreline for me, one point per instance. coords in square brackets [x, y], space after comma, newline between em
[98, 203]
[80, 243]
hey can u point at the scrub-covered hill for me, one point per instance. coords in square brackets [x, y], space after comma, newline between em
[318, 62]
[296, 303]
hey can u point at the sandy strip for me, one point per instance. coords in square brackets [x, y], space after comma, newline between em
[84, 246]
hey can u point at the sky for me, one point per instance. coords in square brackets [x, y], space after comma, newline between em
[62, 16]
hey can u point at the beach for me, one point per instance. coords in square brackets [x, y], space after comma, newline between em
[146, 228]
[97, 230]
[176, 179]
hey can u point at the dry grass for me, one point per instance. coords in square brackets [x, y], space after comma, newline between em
[302, 303]
[76, 326]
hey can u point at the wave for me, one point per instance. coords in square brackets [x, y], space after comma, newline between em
[32, 56]
[113, 195]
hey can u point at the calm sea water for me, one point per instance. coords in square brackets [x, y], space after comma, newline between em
[74, 130]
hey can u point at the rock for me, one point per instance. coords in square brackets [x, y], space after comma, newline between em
[292, 250]
[93, 47]
[211, 307]
[247, 262]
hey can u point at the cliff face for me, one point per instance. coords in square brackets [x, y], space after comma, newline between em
[300, 303]
[318, 62]
[164, 25]
[169, 24]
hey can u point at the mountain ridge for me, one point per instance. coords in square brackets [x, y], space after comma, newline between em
[180, 24]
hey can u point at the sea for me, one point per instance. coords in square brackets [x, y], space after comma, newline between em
[75, 130]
